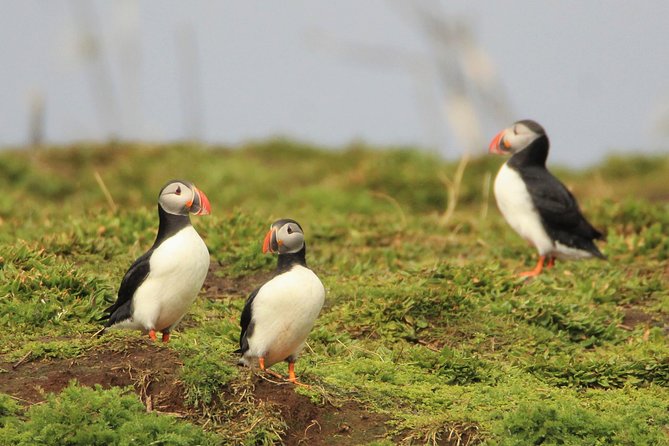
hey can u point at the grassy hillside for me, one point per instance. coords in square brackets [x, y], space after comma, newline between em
[426, 337]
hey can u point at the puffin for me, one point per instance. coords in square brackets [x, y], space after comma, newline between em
[279, 315]
[535, 203]
[160, 285]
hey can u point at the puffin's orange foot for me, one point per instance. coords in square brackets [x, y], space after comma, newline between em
[152, 334]
[537, 269]
[527, 274]
[551, 262]
[261, 364]
[301, 384]
[166, 337]
[275, 374]
[292, 378]
[291, 372]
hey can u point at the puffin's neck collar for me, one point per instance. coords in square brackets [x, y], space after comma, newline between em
[533, 155]
[286, 261]
[169, 224]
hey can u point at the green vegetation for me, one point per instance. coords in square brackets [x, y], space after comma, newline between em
[425, 325]
[84, 416]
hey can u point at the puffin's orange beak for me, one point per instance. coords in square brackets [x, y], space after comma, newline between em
[200, 203]
[496, 143]
[267, 243]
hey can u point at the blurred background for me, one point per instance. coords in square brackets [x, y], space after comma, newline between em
[444, 76]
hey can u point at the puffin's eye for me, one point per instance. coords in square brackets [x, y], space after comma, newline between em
[290, 230]
[178, 191]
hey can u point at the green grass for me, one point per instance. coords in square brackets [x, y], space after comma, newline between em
[424, 322]
[84, 416]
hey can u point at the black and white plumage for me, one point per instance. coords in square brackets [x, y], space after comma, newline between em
[535, 203]
[160, 286]
[279, 315]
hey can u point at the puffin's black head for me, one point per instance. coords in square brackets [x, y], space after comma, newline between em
[285, 236]
[181, 197]
[517, 137]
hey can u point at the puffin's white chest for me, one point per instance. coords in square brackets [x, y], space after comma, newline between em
[283, 314]
[178, 268]
[515, 204]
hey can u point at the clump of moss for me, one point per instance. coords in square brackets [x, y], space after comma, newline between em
[8, 409]
[205, 376]
[565, 423]
[81, 416]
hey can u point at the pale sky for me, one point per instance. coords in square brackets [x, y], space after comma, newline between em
[595, 74]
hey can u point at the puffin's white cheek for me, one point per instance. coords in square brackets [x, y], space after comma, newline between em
[518, 142]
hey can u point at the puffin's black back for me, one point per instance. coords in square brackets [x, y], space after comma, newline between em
[246, 323]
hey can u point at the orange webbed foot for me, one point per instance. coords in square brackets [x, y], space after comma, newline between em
[292, 378]
[537, 269]
[261, 364]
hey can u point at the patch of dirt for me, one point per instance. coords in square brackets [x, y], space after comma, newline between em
[217, 285]
[633, 316]
[460, 434]
[151, 369]
[315, 425]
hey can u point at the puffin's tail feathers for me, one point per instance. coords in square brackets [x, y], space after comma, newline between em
[594, 250]
[597, 253]
[599, 235]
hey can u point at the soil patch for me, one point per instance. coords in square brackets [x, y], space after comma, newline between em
[151, 369]
[316, 425]
[219, 286]
[634, 316]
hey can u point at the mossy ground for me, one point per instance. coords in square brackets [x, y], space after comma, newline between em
[427, 337]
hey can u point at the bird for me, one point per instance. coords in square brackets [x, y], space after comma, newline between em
[159, 287]
[535, 203]
[279, 315]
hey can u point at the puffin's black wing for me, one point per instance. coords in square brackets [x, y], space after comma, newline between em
[559, 211]
[247, 325]
[134, 277]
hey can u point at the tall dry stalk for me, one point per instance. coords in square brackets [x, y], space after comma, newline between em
[453, 188]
